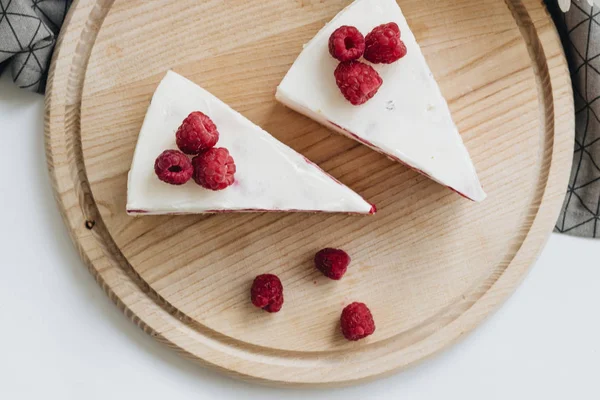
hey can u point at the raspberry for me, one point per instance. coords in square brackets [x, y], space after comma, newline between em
[358, 82]
[357, 321]
[332, 262]
[267, 293]
[346, 43]
[383, 44]
[214, 168]
[174, 167]
[197, 132]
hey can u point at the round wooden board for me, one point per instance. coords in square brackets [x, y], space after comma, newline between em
[430, 264]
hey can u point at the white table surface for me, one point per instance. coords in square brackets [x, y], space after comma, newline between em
[62, 338]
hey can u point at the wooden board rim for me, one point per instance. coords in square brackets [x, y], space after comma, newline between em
[145, 307]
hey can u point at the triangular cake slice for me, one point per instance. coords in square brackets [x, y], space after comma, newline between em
[270, 176]
[408, 119]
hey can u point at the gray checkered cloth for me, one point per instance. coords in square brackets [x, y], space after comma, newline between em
[580, 32]
[28, 30]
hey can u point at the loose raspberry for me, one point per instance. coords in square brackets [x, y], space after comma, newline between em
[383, 44]
[197, 132]
[357, 321]
[267, 293]
[333, 263]
[358, 82]
[174, 167]
[346, 43]
[214, 168]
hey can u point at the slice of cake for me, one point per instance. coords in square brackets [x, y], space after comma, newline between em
[405, 118]
[269, 176]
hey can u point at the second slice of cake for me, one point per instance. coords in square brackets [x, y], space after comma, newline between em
[408, 119]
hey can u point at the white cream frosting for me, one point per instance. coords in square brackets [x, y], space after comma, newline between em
[270, 176]
[408, 119]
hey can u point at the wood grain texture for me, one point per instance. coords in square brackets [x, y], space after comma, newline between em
[430, 264]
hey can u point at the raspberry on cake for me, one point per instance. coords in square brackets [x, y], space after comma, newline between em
[408, 119]
[214, 169]
[197, 132]
[383, 44]
[267, 293]
[333, 263]
[346, 43]
[174, 167]
[357, 322]
[266, 175]
[357, 81]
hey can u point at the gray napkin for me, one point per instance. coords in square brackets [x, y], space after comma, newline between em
[580, 32]
[28, 30]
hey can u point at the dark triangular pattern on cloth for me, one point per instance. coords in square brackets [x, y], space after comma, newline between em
[580, 33]
[28, 30]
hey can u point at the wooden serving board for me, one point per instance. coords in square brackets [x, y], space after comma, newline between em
[430, 264]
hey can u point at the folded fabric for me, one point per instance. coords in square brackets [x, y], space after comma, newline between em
[580, 32]
[28, 30]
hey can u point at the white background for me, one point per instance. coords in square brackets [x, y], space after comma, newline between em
[61, 337]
